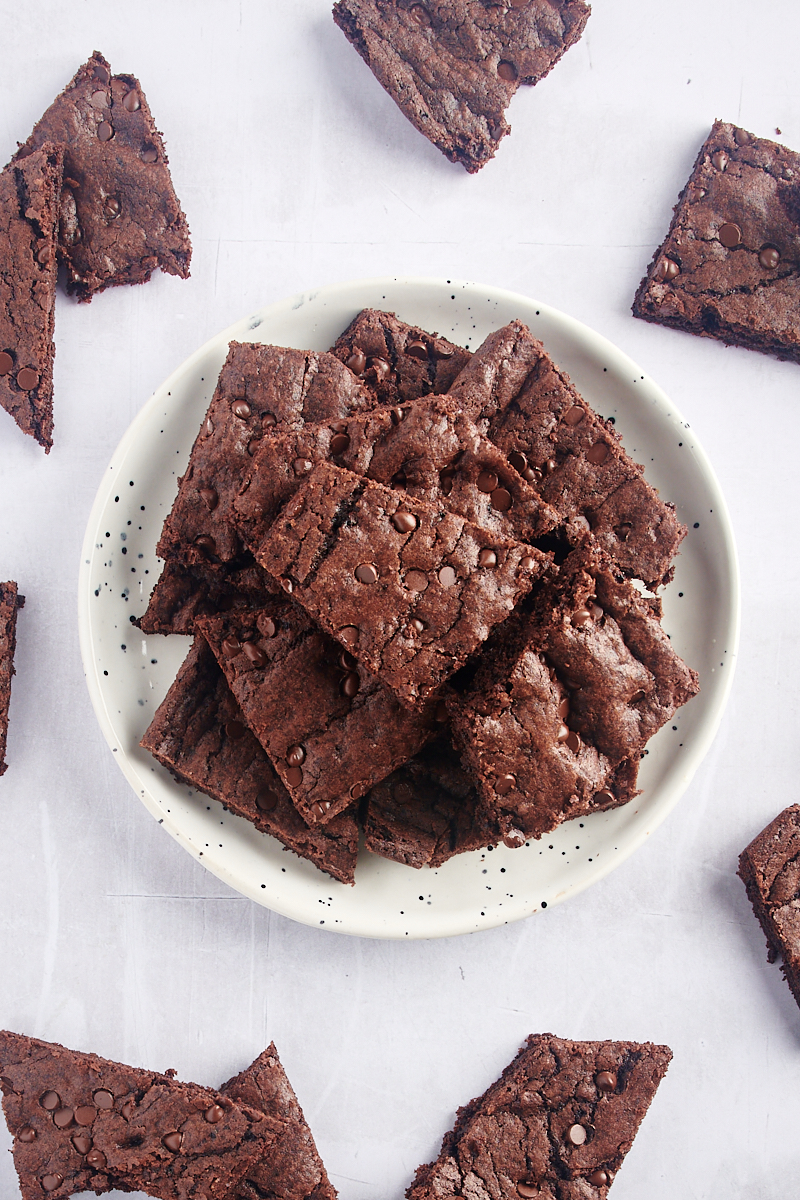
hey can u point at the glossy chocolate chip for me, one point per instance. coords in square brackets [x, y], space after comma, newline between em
[105, 131]
[27, 379]
[43, 256]
[132, 103]
[502, 499]
[380, 368]
[486, 482]
[82, 1142]
[85, 1114]
[209, 497]
[397, 415]
[214, 1114]
[563, 732]
[550, 466]
[603, 798]
[267, 627]
[600, 1178]
[173, 1141]
[598, 453]
[514, 839]
[96, 1159]
[416, 581]
[241, 409]
[524, 1189]
[730, 235]
[487, 558]
[27, 1134]
[6, 362]
[527, 563]
[504, 784]
[357, 362]
[295, 756]
[208, 427]
[206, 542]
[417, 349]
[350, 685]
[507, 71]
[447, 577]
[256, 655]
[769, 257]
[574, 415]
[235, 730]
[339, 443]
[667, 269]
[149, 154]
[231, 646]
[404, 522]
[518, 461]
[349, 635]
[606, 1081]
[128, 1109]
[50, 1101]
[581, 616]
[573, 741]
[63, 1117]
[347, 662]
[576, 1134]
[741, 137]
[51, 1182]
[720, 159]
[267, 798]
[287, 585]
[111, 208]
[294, 776]
[366, 573]
[415, 626]
[420, 14]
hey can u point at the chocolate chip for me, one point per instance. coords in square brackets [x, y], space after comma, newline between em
[518, 3]
[486, 482]
[550, 466]
[507, 71]
[82, 1142]
[416, 581]
[27, 379]
[253, 445]
[51, 1182]
[96, 1159]
[447, 576]
[563, 709]
[214, 1114]
[295, 756]
[603, 798]
[105, 131]
[301, 466]
[581, 616]
[667, 269]
[241, 409]
[349, 635]
[563, 732]
[574, 415]
[347, 662]
[103, 1098]
[99, 99]
[418, 350]
[102, 73]
[397, 415]
[730, 235]
[380, 368]
[287, 585]
[366, 573]
[235, 730]
[132, 103]
[720, 159]
[50, 1101]
[62, 1118]
[43, 256]
[293, 776]
[357, 362]
[208, 428]
[267, 798]
[85, 1114]
[524, 1189]
[573, 741]
[206, 542]
[504, 784]
[415, 626]
[741, 137]
[209, 497]
[320, 807]
[446, 477]
[350, 685]
[598, 453]
[420, 14]
[487, 558]
[600, 1178]
[595, 610]
[518, 461]
[502, 499]
[527, 563]
[606, 1081]
[172, 1141]
[256, 655]
[404, 522]
[27, 1134]
[357, 790]
[769, 257]
[339, 443]
[111, 208]
[149, 154]
[576, 1134]
[6, 362]
[514, 839]
[231, 646]
[267, 627]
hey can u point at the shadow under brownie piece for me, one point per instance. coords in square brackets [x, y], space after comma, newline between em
[82, 1123]
[452, 66]
[120, 217]
[199, 734]
[185, 592]
[728, 267]
[292, 1169]
[770, 870]
[409, 587]
[331, 729]
[10, 604]
[427, 811]
[29, 196]
[556, 1125]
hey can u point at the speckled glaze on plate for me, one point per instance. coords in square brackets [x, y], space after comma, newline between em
[128, 674]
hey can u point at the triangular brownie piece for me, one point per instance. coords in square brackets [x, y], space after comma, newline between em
[556, 1125]
[770, 870]
[29, 198]
[727, 268]
[10, 604]
[452, 66]
[120, 217]
[82, 1123]
[185, 592]
[292, 1169]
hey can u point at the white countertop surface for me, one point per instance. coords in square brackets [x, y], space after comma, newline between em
[296, 170]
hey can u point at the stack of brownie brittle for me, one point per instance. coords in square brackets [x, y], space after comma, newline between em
[408, 572]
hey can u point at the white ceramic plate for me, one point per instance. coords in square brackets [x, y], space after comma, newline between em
[129, 674]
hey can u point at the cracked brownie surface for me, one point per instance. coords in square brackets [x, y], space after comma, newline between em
[199, 734]
[728, 267]
[556, 1125]
[452, 66]
[411, 589]
[29, 197]
[770, 870]
[185, 592]
[120, 217]
[83, 1123]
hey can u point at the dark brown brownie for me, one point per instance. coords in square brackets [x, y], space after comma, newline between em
[427, 811]
[770, 870]
[556, 1125]
[183, 593]
[81, 1123]
[331, 729]
[409, 587]
[496, 373]
[200, 735]
[452, 66]
[397, 361]
[10, 604]
[120, 217]
[292, 1169]
[29, 195]
[728, 267]
[260, 389]
[557, 717]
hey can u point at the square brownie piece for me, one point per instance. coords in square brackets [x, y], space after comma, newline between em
[29, 199]
[199, 734]
[727, 268]
[330, 728]
[556, 1125]
[410, 588]
[83, 1123]
[770, 870]
[10, 604]
[452, 66]
[120, 217]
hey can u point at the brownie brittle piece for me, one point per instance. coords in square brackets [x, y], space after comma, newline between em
[556, 1125]
[82, 1123]
[495, 373]
[770, 870]
[728, 267]
[185, 592]
[452, 66]
[291, 1169]
[10, 604]
[29, 194]
[199, 734]
[398, 361]
[120, 217]
[411, 589]
[331, 729]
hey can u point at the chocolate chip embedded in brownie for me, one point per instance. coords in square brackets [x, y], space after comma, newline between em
[728, 266]
[292, 1169]
[29, 194]
[557, 1124]
[331, 729]
[427, 810]
[409, 587]
[199, 734]
[770, 870]
[398, 362]
[10, 604]
[120, 217]
[82, 1123]
[452, 66]
[183, 593]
